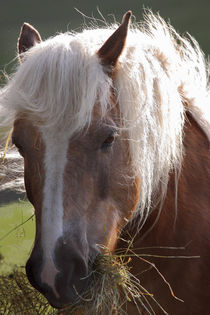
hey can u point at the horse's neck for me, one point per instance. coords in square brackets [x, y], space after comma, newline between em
[187, 197]
[182, 231]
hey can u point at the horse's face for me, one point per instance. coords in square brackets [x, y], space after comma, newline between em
[82, 195]
[82, 190]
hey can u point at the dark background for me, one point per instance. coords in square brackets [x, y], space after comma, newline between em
[51, 16]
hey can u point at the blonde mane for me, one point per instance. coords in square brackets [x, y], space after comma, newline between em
[160, 75]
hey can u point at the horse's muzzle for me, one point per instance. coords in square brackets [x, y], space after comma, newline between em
[70, 280]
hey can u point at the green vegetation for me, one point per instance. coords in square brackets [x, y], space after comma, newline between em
[16, 237]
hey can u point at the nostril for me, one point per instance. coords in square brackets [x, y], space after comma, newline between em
[79, 275]
[74, 279]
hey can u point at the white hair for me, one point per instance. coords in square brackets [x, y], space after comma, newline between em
[160, 74]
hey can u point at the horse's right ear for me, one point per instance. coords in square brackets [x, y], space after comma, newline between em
[29, 36]
[113, 47]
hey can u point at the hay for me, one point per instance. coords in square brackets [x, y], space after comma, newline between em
[6, 146]
[111, 287]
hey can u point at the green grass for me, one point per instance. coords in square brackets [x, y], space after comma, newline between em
[16, 237]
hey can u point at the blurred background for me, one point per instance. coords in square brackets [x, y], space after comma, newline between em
[51, 16]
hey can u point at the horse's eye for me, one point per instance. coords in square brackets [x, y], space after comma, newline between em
[108, 141]
[18, 146]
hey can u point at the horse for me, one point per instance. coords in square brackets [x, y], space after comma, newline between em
[113, 126]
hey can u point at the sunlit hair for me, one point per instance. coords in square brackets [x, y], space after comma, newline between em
[159, 75]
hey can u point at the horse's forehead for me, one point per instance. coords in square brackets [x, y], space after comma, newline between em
[57, 138]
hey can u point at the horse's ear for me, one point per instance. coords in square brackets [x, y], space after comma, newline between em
[29, 36]
[113, 47]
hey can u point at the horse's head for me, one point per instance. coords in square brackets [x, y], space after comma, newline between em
[80, 184]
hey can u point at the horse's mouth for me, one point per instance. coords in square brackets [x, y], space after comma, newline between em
[69, 296]
[74, 294]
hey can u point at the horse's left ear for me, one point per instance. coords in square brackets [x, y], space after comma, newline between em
[113, 47]
[29, 36]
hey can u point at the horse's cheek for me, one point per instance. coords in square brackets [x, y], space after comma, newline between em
[34, 176]
[125, 189]
[133, 194]
[28, 180]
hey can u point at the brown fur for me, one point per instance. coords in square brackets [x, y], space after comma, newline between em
[28, 140]
[189, 228]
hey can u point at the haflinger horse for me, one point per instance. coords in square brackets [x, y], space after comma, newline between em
[113, 127]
